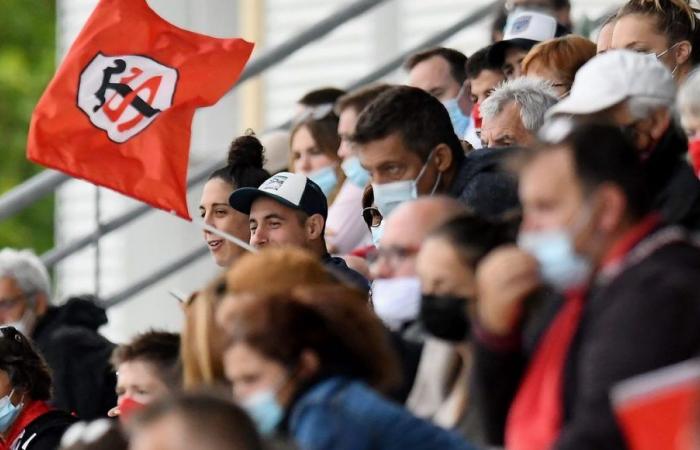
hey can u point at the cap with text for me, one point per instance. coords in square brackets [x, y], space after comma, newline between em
[290, 189]
[523, 30]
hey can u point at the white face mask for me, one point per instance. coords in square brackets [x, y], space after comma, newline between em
[25, 324]
[396, 300]
[388, 196]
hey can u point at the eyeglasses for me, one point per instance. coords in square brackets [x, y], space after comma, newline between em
[393, 255]
[314, 113]
[7, 304]
[372, 217]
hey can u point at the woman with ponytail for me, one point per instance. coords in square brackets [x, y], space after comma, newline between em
[244, 169]
[667, 29]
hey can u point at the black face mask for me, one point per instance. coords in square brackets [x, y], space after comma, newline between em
[445, 317]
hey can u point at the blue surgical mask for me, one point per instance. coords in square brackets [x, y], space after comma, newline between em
[388, 196]
[377, 233]
[265, 411]
[560, 266]
[355, 172]
[8, 412]
[460, 122]
[326, 178]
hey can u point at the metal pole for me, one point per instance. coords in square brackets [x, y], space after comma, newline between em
[432, 41]
[156, 276]
[47, 181]
[56, 254]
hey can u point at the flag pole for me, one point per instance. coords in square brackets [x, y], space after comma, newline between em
[226, 236]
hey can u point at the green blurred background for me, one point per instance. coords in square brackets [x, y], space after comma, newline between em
[27, 61]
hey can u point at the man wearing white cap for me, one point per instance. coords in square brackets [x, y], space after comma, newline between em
[637, 92]
[290, 209]
[524, 30]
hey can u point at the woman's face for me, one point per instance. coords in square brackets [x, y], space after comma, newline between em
[216, 212]
[639, 33]
[307, 157]
[442, 272]
[139, 380]
[250, 372]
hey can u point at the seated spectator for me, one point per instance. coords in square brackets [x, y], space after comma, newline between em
[65, 335]
[194, 422]
[616, 263]
[558, 60]
[290, 209]
[667, 29]
[689, 108]
[440, 72]
[637, 93]
[446, 265]
[605, 32]
[483, 78]
[314, 145]
[148, 368]
[101, 434]
[406, 143]
[27, 420]
[515, 111]
[201, 342]
[244, 169]
[524, 29]
[345, 229]
[305, 363]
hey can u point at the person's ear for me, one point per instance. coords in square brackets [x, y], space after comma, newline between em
[682, 53]
[309, 364]
[611, 205]
[41, 304]
[660, 121]
[443, 157]
[314, 227]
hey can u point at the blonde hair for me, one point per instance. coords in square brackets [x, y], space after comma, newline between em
[202, 343]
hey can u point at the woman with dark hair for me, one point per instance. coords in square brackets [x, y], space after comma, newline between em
[446, 265]
[27, 420]
[667, 29]
[244, 169]
[307, 363]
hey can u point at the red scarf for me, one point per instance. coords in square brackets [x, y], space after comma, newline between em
[536, 415]
[29, 413]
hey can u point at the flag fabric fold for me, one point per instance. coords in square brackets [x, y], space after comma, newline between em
[118, 112]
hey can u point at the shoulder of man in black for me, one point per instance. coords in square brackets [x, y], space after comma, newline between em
[484, 184]
[339, 268]
[645, 319]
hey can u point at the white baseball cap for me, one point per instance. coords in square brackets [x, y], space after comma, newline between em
[524, 30]
[290, 189]
[613, 77]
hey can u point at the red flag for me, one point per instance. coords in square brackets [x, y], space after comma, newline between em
[119, 109]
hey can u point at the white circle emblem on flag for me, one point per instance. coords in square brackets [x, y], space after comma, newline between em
[124, 94]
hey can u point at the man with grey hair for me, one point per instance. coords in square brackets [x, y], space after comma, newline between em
[515, 111]
[66, 335]
[637, 93]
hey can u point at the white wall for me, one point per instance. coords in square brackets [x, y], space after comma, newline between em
[348, 53]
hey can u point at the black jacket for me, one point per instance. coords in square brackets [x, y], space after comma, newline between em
[45, 432]
[645, 318]
[484, 185]
[674, 186]
[84, 381]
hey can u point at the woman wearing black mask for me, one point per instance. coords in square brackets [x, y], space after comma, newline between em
[446, 265]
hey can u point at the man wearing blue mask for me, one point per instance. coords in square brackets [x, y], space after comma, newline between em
[441, 72]
[405, 141]
[630, 298]
[345, 229]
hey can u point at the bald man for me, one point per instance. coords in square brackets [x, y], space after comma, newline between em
[396, 290]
